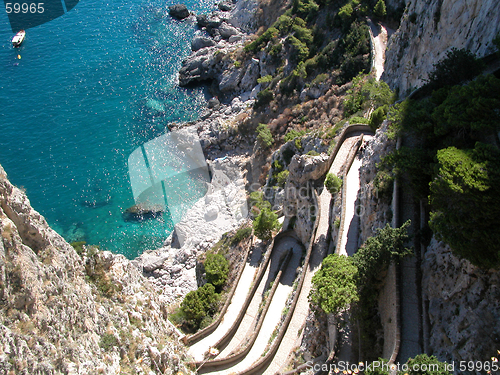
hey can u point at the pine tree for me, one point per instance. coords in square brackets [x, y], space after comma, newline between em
[380, 9]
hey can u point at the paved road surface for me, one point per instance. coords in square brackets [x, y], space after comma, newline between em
[251, 266]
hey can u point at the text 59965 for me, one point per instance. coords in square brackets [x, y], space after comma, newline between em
[24, 7]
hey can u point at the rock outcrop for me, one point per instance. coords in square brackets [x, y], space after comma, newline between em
[53, 321]
[375, 207]
[463, 306]
[430, 28]
[179, 11]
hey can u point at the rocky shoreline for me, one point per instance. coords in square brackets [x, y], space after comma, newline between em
[172, 268]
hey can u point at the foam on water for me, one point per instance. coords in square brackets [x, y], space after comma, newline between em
[90, 87]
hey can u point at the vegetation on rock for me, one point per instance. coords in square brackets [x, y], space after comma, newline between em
[198, 305]
[458, 66]
[264, 136]
[217, 270]
[380, 9]
[333, 183]
[265, 223]
[452, 166]
[334, 285]
[423, 364]
[466, 205]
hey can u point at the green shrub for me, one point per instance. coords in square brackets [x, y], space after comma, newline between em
[313, 153]
[264, 136]
[336, 223]
[265, 223]
[345, 14]
[258, 43]
[458, 66]
[283, 24]
[275, 49]
[300, 51]
[265, 79]
[264, 97]
[334, 285]
[198, 304]
[305, 8]
[292, 134]
[257, 200]
[282, 176]
[422, 364]
[333, 183]
[378, 251]
[464, 196]
[303, 34]
[217, 269]
[367, 92]
[358, 120]
[355, 47]
[380, 10]
[79, 247]
[108, 341]
[384, 183]
[377, 117]
[320, 78]
[241, 234]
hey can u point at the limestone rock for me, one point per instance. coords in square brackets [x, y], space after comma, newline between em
[179, 11]
[200, 66]
[439, 25]
[200, 42]
[230, 80]
[464, 305]
[243, 14]
[225, 6]
[304, 167]
[226, 31]
[252, 73]
[53, 321]
[209, 21]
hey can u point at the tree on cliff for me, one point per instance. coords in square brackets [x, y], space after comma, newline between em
[380, 9]
[333, 183]
[334, 285]
[217, 269]
[465, 196]
[458, 66]
[264, 224]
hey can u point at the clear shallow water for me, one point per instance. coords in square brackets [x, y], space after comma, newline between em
[90, 87]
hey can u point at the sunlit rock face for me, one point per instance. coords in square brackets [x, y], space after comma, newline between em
[65, 313]
[430, 28]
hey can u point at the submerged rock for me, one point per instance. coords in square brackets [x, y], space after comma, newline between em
[179, 11]
[140, 213]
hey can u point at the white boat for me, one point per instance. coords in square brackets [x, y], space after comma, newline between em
[18, 38]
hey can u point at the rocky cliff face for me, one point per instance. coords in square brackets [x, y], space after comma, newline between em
[429, 29]
[65, 314]
[463, 306]
[375, 210]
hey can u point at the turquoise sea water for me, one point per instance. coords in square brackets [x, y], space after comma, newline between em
[90, 87]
